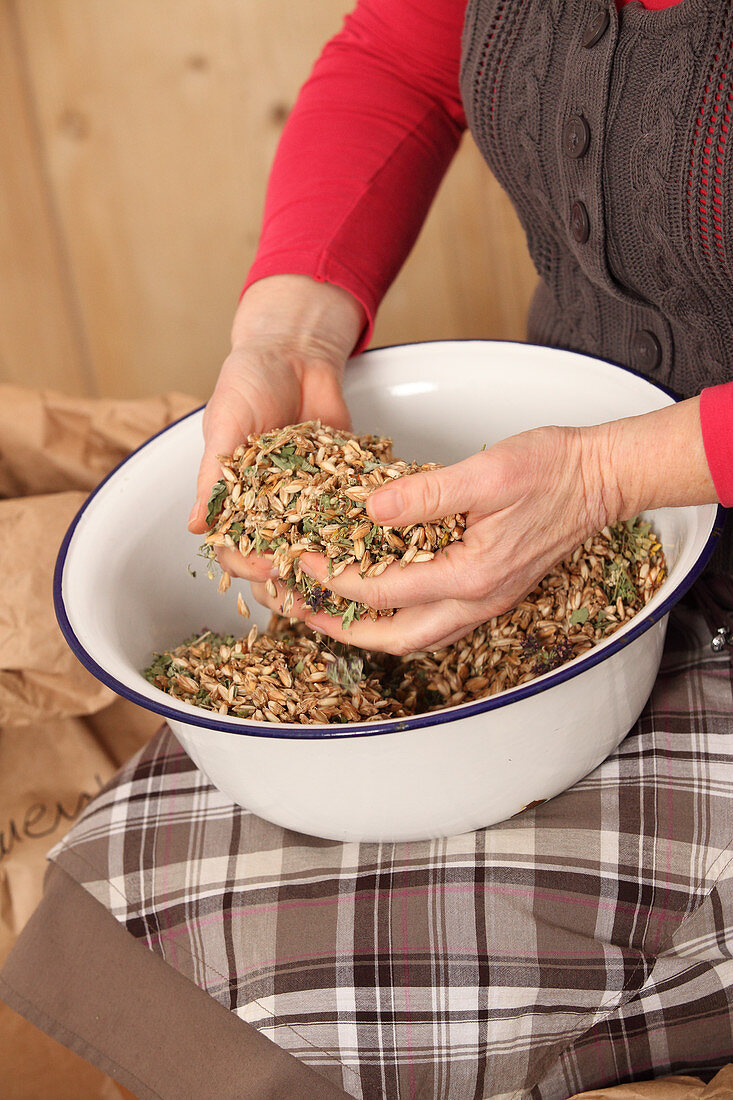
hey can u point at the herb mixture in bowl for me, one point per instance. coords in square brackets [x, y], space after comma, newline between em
[304, 488]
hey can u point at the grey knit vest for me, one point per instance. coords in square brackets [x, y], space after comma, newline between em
[609, 131]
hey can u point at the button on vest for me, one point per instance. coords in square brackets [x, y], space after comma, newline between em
[576, 137]
[646, 351]
[596, 29]
[579, 222]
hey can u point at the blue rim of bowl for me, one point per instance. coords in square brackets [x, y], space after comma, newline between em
[379, 727]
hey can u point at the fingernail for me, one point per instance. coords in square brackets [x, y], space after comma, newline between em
[386, 506]
[193, 512]
[304, 568]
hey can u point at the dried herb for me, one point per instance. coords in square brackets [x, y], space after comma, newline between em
[579, 616]
[216, 501]
[348, 616]
[618, 583]
[159, 667]
[348, 672]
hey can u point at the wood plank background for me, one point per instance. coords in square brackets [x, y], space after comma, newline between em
[136, 140]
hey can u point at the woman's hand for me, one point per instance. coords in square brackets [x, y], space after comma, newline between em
[528, 503]
[290, 341]
[530, 500]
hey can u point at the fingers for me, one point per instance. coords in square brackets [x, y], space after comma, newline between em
[209, 474]
[298, 610]
[476, 484]
[455, 572]
[408, 630]
[253, 567]
[254, 391]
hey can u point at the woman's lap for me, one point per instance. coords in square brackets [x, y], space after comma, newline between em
[584, 942]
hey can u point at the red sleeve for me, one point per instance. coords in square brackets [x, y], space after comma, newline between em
[716, 421]
[365, 148]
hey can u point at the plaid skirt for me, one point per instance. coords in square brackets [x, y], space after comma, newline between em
[586, 942]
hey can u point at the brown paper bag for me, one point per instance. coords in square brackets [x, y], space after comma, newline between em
[62, 733]
[50, 443]
[669, 1088]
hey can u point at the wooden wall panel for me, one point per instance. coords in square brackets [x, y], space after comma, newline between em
[157, 124]
[41, 340]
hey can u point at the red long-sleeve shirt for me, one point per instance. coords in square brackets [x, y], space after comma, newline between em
[363, 153]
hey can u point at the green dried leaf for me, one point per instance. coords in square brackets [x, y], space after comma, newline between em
[216, 501]
[159, 666]
[286, 459]
[348, 616]
[580, 616]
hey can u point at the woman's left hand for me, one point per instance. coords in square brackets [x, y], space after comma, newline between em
[530, 500]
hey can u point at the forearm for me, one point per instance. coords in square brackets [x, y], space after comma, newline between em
[655, 460]
[365, 147]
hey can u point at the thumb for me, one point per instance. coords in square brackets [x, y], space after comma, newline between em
[222, 434]
[433, 494]
[209, 474]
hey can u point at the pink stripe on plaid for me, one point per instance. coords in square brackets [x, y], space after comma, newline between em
[402, 895]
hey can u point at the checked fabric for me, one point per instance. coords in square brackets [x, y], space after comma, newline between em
[584, 943]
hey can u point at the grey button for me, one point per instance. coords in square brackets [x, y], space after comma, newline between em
[646, 351]
[579, 222]
[596, 29]
[575, 137]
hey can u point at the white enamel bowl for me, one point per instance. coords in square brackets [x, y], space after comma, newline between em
[123, 590]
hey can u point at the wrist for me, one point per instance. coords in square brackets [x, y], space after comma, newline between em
[319, 319]
[655, 460]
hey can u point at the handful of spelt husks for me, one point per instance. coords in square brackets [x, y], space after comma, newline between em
[305, 487]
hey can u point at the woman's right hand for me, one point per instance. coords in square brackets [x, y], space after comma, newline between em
[290, 341]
